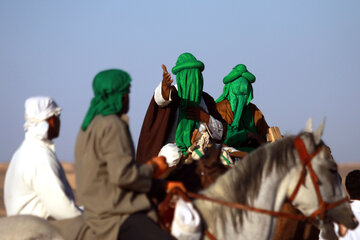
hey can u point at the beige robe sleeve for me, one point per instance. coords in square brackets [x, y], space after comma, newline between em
[118, 153]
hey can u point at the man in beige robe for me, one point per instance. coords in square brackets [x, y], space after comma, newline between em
[110, 185]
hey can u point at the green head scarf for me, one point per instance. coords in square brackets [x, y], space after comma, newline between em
[109, 86]
[238, 90]
[190, 85]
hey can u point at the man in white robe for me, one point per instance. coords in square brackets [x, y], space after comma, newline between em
[35, 182]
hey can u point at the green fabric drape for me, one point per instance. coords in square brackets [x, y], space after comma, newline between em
[190, 85]
[238, 90]
[109, 86]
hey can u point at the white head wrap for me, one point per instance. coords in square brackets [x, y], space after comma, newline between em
[37, 110]
[186, 224]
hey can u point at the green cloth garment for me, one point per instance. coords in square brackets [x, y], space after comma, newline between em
[190, 85]
[238, 90]
[109, 86]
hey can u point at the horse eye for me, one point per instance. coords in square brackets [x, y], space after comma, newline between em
[333, 170]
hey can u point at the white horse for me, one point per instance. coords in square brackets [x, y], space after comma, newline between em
[27, 227]
[270, 175]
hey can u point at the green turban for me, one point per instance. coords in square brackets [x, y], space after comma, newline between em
[190, 85]
[109, 86]
[238, 90]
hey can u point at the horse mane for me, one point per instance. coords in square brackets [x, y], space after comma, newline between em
[241, 184]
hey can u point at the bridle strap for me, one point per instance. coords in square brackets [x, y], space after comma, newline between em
[239, 206]
[306, 162]
[298, 185]
[305, 159]
[209, 235]
[325, 206]
[246, 207]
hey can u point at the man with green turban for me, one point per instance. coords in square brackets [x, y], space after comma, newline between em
[110, 185]
[247, 127]
[176, 111]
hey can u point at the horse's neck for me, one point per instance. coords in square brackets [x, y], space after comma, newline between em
[270, 197]
[254, 226]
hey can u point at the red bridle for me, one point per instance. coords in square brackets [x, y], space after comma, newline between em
[306, 163]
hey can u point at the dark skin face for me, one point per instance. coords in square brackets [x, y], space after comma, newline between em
[125, 105]
[54, 127]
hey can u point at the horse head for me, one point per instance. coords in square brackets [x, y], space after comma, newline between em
[317, 191]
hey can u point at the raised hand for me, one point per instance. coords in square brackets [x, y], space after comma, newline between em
[197, 113]
[166, 83]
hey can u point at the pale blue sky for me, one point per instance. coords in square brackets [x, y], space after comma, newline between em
[305, 55]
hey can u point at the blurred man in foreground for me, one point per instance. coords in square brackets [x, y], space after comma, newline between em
[35, 182]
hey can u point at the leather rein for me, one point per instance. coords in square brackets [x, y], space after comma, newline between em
[306, 164]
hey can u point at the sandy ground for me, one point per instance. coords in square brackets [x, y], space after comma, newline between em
[344, 169]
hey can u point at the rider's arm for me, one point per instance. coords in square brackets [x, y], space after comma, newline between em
[160, 100]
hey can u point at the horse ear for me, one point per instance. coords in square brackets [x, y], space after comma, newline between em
[308, 126]
[318, 133]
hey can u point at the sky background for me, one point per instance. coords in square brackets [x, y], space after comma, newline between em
[304, 54]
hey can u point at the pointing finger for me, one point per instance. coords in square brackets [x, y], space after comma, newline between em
[164, 68]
